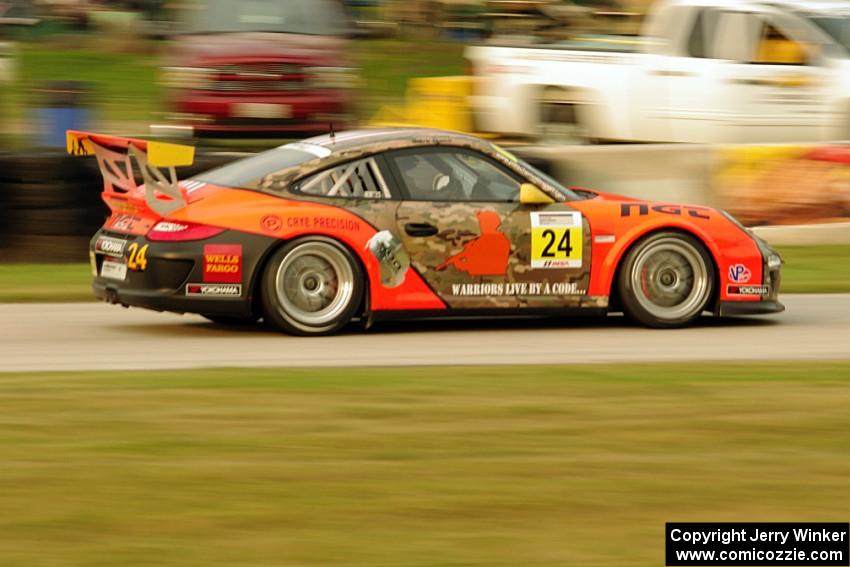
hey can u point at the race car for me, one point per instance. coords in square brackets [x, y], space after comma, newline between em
[401, 223]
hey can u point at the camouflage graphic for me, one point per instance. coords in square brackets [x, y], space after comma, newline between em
[391, 256]
[486, 255]
[435, 257]
[477, 244]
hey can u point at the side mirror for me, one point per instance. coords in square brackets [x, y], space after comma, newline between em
[530, 194]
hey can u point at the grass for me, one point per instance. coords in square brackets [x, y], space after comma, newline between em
[577, 465]
[808, 269]
[816, 269]
[123, 86]
[387, 65]
[45, 282]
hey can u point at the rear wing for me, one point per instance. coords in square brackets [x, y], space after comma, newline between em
[115, 157]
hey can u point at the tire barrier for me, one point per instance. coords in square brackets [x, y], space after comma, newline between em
[51, 206]
[50, 203]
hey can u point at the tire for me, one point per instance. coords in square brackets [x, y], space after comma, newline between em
[666, 280]
[293, 282]
[57, 222]
[48, 166]
[59, 195]
[560, 116]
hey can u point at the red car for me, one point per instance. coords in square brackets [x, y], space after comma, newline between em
[259, 67]
[405, 223]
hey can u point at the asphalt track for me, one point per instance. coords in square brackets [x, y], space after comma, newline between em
[96, 336]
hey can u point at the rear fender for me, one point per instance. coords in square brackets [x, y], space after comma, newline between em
[287, 219]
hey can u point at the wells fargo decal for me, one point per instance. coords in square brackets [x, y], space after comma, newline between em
[223, 263]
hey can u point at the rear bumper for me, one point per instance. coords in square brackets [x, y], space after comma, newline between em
[175, 303]
[183, 277]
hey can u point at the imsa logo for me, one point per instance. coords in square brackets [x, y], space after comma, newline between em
[214, 290]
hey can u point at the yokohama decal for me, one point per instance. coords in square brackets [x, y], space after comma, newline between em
[223, 263]
[214, 290]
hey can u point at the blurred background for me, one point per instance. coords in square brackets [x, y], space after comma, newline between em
[743, 105]
[255, 68]
[738, 105]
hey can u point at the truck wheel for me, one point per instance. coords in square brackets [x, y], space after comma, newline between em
[560, 116]
[311, 286]
[666, 280]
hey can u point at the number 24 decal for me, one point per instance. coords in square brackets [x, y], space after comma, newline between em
[137, 260]
[564, 245]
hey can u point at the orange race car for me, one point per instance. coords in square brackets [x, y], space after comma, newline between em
[373, 224]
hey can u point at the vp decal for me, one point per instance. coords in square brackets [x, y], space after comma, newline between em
[739, 273]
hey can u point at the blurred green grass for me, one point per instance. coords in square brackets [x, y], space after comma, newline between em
[45, 282]
[574, 465]
[808, 269]
[816, 269]
[386, 66]
[124, 86]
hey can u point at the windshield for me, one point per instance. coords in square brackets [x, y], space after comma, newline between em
[314, 17]
[837, 27]
[568, 194]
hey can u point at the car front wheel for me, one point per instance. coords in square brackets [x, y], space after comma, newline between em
[311, 286]
[666, 280]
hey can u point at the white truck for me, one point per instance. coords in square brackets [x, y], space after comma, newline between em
[707, 71]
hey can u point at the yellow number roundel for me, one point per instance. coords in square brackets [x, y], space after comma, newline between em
[556, 240]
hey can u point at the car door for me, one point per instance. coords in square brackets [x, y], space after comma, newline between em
[475, 244]
[692, 82]
[774, 79]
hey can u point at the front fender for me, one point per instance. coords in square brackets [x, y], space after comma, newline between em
[622, 224]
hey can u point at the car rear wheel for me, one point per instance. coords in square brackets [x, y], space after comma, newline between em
[666, 280]
[311, 286]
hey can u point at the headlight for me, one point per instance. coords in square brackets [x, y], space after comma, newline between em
[187, 77]
[773, 261]
[332, 77]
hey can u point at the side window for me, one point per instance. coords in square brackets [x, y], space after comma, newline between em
[453, 175]
[776, 48]
[359, 179]
[701, 40]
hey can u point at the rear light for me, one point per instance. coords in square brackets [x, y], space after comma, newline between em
[174, 231]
